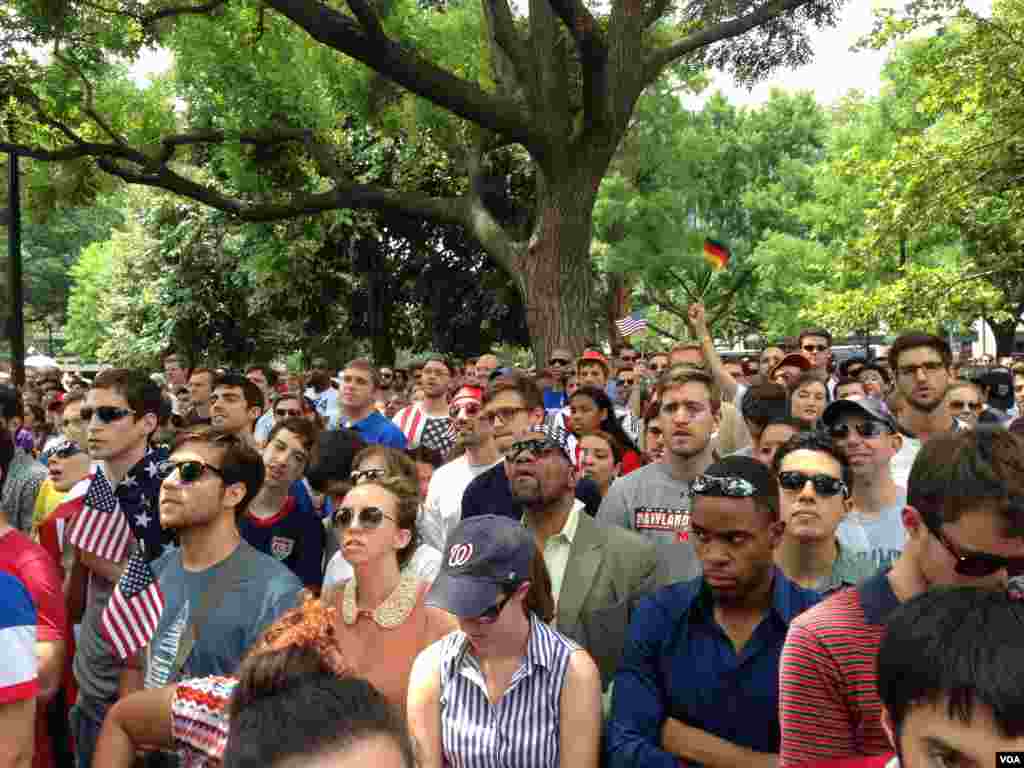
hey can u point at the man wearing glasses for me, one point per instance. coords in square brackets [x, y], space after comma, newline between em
[814, 495]
[560, 367]
[921, 364]
[816, 345]
[867, 433]
[120, 414]
[512, 404]
[699, 678]
[209, 482]
[964, 521]
[474, 431]
[596, 571]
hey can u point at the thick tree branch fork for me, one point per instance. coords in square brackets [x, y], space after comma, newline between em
[661, 58]
[583, 28]
[414, 73]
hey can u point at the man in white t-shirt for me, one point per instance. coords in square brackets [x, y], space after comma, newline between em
[443, 508]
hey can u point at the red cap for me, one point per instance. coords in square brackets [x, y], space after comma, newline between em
[593, 356]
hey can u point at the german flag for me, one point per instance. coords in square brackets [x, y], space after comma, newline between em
[716, 254]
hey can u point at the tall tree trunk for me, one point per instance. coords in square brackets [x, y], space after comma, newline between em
[554, 271]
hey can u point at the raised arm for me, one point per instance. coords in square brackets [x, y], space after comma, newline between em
[699, 325]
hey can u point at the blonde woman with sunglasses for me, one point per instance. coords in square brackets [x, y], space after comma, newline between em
[372, 463]
[383, 621]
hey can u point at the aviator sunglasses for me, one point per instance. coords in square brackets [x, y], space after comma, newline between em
[866, 429]
[368, 518]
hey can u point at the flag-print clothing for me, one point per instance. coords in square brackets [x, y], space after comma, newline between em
[437, 432]
[522, 730]
[106, 517]
[18, 674]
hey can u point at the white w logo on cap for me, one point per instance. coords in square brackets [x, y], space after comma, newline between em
[459, 554]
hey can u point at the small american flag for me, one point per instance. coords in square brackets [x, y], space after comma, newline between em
[100, 528]
[633, 323]
[133, 611]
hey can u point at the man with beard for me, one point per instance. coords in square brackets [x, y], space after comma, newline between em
[596, 571]
[655, 500]
[921, 363]
[699, 679]
[443, 507]
[235, 406]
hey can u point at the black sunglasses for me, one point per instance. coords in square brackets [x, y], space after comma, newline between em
[491, 614]
[867, 429]
[287, 413]
[977, 564]
[824, 485]
[369, 518]
[67, 451]
[189, 471]
[539, 448]
[105, 413]
[558, 361]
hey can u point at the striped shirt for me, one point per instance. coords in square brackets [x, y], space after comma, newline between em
[829, 705]
[18, 676]
[522, 730]
[199, 720]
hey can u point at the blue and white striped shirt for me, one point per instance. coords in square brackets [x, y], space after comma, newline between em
[522, 730]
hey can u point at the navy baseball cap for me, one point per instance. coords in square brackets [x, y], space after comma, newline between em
[483, 557]
[869, 407]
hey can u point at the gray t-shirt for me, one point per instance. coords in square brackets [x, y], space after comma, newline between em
[886, 534]
[262, 590]
[654, 504]
[97, 670]
[849, 569]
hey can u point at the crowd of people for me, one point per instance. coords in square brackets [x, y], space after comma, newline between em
[671, 558]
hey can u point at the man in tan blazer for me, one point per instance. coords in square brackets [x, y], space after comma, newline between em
[597, 572]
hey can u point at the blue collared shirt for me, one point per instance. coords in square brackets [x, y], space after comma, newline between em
[679, 663]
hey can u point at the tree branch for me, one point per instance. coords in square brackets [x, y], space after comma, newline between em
[593, 51]
[368, 18]
[90, 108]
[180, 10]
[662, 57]
[505, 35]
[343, 195]
[415, 73]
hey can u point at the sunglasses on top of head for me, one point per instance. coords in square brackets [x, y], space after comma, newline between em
[358, 476]
[105, 413]
[824, 485]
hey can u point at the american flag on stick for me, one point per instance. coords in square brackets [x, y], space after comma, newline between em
[133, 611]
[632, 323]
[100, 527]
